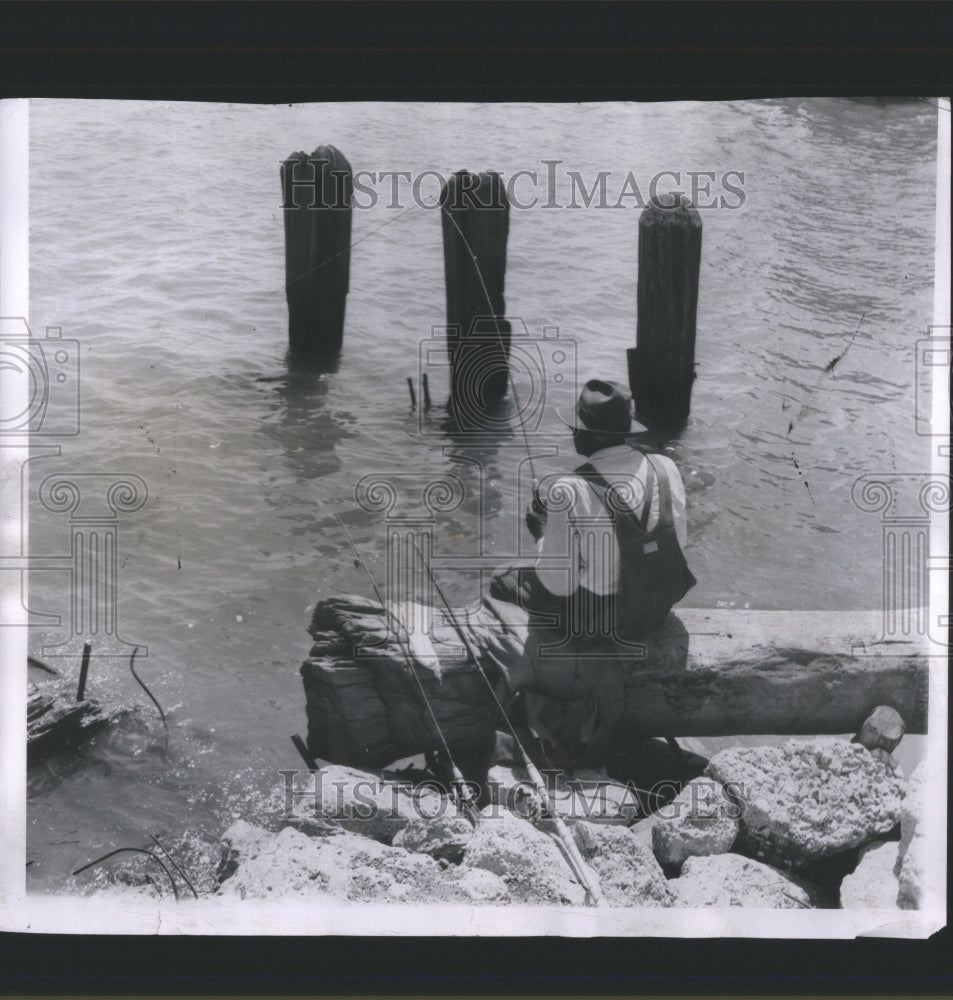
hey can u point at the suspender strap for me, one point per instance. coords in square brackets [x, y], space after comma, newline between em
[589, 471]
[650, 478]
[665, 509]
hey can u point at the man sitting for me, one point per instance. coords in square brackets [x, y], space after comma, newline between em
[609, 561]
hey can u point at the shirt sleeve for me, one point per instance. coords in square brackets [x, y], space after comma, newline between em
[677, 489]
[556, 566]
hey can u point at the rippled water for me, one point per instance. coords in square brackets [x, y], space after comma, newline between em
[157, 242]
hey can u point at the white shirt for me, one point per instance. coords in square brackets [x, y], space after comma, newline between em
[579, 546]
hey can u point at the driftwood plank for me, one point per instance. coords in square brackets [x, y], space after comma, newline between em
[56, 721]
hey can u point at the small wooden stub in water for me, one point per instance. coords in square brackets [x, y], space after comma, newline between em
[662, 366]
[83, 672]
[705, 673]
[317, 193]
[475, 213]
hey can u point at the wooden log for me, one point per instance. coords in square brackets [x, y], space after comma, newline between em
[317, 193]
[662, 366]
[475, 213]
[705, 673]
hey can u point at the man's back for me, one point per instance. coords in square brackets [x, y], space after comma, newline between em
[579, 547]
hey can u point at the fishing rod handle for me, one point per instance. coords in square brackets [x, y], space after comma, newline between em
[589, 879]
[593, 896]
[569, 843]
[466, 793]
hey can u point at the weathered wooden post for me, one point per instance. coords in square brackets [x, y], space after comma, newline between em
[317, 207]
[662, 366]
[83, 671]
[475, 213]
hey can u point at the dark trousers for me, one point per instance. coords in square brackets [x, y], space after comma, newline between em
[567, 729]
[580, 616]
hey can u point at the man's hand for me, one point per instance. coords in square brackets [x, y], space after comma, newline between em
[536, 515]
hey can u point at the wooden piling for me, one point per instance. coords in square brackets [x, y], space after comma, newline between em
[475, 213]
[317, 193]
[662, 366]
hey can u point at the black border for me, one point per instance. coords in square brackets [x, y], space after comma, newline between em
[416, 967]
[531, 51]
[291, 51]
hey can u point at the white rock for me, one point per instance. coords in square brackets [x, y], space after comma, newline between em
[627, 870]
[805, 801]
[733, 880]
[913, 857]
[872, 884]
[244, 839]
[642, 830]
[364, 803]
[511, 790]
[594, 797]
[346, 866]
[289, 863]
[481, 886]
[883, 729]
[584, 795]
[527, 860]
[700, 820]
[443, 837]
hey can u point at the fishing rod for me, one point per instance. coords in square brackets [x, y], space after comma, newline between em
[565, 838]
[499, 335]
[461, 785]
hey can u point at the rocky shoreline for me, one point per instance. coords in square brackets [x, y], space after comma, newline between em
[820, 823]
[755, 830]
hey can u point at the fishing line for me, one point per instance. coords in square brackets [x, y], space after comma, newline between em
[459, 630]
[134, 850]
[142, 684]
[347, 249]
[573, 857]
[174, 864]
[463, 786]
[486, 295]
[499, 335]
